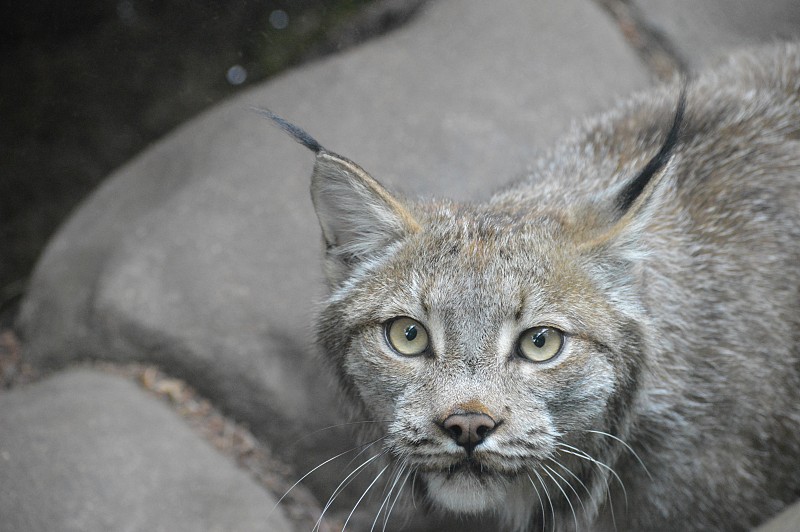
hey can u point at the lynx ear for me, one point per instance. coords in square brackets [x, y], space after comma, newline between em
[358, 216]
[614, 249]
[630, 206]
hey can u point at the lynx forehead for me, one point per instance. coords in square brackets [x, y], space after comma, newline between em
[611, 342]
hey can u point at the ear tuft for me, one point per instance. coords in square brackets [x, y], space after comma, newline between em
[296, 132]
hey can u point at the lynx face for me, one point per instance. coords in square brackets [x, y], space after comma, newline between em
[496, 347]
[491, 355]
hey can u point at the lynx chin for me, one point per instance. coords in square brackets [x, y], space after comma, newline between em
[612, 342]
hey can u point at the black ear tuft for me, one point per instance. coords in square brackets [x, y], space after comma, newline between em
[299, 135]
[636, 186]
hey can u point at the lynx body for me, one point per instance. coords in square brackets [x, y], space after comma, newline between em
[613, 341]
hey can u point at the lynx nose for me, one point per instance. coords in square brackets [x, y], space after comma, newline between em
[469, 429]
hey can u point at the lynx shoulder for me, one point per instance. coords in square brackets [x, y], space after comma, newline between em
[612, 341]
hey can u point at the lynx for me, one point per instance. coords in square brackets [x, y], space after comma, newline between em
[612, 342]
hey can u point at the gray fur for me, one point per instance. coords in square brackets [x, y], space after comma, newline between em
[681, 315]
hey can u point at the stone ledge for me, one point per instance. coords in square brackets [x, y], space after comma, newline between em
[86, 451]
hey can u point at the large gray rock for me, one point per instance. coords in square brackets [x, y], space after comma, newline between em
[202, 255]
[704, 31]
[90, 452]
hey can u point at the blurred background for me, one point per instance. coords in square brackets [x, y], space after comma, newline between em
[84, 86]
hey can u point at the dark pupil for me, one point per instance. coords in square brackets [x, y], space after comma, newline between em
[411, 332]
[540, 339]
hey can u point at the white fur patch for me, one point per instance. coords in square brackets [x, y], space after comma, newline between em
[463, 493]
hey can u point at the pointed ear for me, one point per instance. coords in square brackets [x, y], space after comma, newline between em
[619, 219]
[612, 243]
[358, 216]
[628, 207]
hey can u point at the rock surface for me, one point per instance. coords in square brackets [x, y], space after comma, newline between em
[202, 254]
[88, 452]
[706, 31]
[786, 521]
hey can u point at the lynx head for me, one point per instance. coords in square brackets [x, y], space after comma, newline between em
[498, 346]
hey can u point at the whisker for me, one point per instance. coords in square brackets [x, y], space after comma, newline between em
[610, 504]
[586, 456]
[342, 485]
[579, 481]
[607, 486]
[549, 500]
[611, 507]
[541, 503]
[363, 450]
[413, 484]
[336, 426]
[400, 467]
[550, 472]
[396, 498]
[388, 495]
[319, 466]
[364, 495]
[628, 447]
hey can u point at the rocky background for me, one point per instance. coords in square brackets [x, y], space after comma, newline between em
[159, 370]
[84, 87]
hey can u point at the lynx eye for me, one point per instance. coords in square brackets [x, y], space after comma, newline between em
[406, 336]
[540, 344]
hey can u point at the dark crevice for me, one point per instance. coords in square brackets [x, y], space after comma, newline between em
[651, 44]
